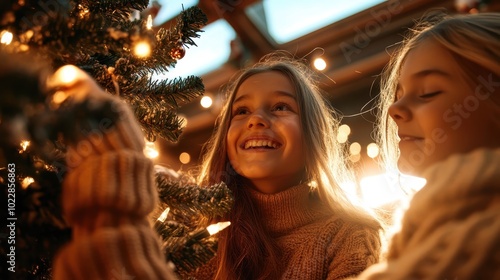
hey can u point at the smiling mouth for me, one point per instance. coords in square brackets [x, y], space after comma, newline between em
[260, 144]
[408, 138]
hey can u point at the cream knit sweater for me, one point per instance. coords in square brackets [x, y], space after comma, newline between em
[107, 195]
[452, 227]
[315, 243]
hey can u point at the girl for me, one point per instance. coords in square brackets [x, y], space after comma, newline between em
[274, 147]
[440, 104]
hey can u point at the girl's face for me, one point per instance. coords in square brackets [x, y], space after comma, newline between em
[438, 112]
[264, 140]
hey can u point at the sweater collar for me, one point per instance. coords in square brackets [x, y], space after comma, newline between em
[287, 210]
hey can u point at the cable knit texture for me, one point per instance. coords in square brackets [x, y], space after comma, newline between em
[315, 243]
[107, 195]
[452, 227]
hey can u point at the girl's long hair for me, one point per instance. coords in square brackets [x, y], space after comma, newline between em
[474, 41]
[245, 249]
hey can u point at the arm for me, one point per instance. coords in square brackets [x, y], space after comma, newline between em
[107, 194]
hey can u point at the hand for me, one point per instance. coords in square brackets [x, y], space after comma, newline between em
[88, 111]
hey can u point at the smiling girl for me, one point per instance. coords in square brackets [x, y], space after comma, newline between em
[440, 102]
[274, 147]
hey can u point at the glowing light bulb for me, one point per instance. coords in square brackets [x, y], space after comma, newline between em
[164, 215]
[67, 74]
[142, 49]
[150, 150]
[206, 101]
[149, 23]
[319, 63]
[215, 228]
[25, 144]
[26, 182]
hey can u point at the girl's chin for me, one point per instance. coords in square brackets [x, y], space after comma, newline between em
[407, 168]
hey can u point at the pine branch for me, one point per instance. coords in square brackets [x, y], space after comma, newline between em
[119, 10]
[156, 118]
[211, 202]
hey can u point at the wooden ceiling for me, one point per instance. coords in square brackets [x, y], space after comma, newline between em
[355, 48]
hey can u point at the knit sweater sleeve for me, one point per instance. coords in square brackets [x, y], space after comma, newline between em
[107, 194]
[353, 252]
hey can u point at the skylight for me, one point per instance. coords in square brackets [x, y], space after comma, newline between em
[285, 20]
[170, 9]
[212, 51]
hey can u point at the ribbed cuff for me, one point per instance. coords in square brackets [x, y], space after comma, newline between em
[117, 182]
[113, 253]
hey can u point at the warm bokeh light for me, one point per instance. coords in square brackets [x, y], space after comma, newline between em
[84, 12]
[372, 150]
[319, 63]
[142, 49]
[343, 133]
[59, 97]
[25, 144]
[342, 137]
[184, 158]
[355, 158]
[67, 74]
[6, 37]
[345, 129]
[184, 120]
[26, 182]
[382, 189]
[206, 101]
[355, 148]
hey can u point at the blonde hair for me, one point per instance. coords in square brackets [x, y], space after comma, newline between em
[474, 41]
[246, 247]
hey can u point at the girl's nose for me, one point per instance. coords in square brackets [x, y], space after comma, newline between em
[258, 120]
[399, 111]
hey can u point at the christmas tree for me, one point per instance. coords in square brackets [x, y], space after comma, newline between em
[117, 45]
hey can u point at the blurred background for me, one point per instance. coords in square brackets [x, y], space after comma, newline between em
[348, 42]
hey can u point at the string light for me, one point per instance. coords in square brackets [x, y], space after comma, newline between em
[149, 23]
[83, 11]
[320, 64]
[215, 228]
[163, 215]
[204, 233]
[150, 150]
[66, 74]
[206, 102]
[26, 182]
[25, 144]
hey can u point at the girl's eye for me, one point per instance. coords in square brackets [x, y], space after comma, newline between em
[430, 94]
[240, 111]
[281, 107]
